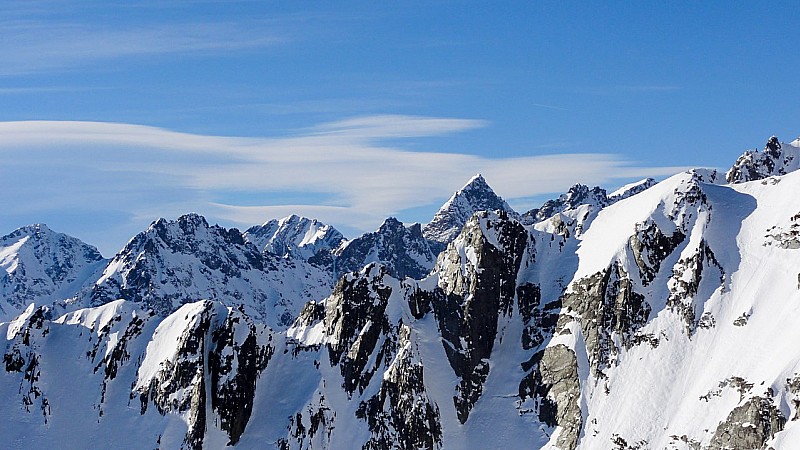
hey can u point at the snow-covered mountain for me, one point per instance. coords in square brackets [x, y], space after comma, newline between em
[475, 196]
[181, 261]
[669, 321]
[403, 251]
[294, 236]
[42, 266]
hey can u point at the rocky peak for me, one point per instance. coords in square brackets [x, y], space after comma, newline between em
[294, 236]
[178, 261]
[475, 196]
[776, 159]
[43, 266]
[401, 249]
[390, 226]
[577, 195]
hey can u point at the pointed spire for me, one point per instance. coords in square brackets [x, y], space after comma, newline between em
[475, 196]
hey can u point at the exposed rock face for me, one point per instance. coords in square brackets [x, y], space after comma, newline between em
[630, 190]
[650, 247]
[42, 266]
[241, 351]
[402, 250]
[212, 350]
[560, 393]
[688, 274]
[370, 344]
[577, 195]
[199, 365]
[749, 426]
[356, 322]
[775, 159]
[475, 196]
[610, 311]
[181, 371]
[21, 356]
[296, 237]
[402, 403]
[477, 274]
[369, 329]
[175, 262]
[786, 235]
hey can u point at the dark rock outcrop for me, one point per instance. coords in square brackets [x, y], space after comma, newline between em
[403, 251]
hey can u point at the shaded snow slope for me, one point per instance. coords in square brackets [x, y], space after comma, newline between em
[42, 266]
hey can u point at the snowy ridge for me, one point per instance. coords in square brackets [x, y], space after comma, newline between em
[631, 189]
[97, 374]
[294, 236]
[176, 262]
[576, 196]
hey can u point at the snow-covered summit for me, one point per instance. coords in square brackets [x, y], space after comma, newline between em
[775, 159]
[178, 261]
[475, 196]
[40, 265]
[294, 236]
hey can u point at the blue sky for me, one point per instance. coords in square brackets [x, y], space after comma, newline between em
[113, 114]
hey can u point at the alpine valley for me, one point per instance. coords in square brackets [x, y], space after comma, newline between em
[664, 315]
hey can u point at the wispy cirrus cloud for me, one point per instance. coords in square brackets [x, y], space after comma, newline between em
[628, 89]
[28, 46]
[340, 172]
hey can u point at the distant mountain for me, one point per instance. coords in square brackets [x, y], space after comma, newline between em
[42, 266]
[403, 251]
[294, 236]
[475, 196]
[177, 262]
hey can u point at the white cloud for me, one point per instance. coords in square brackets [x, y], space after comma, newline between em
[338, 172]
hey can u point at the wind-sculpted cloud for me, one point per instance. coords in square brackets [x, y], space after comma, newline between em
[338, 172]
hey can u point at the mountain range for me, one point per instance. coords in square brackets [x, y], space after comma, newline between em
[660, 316]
